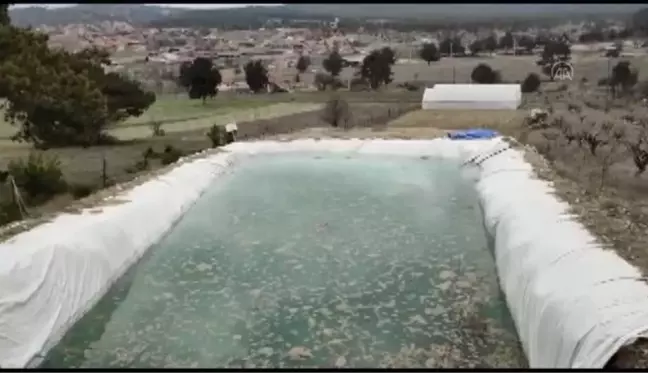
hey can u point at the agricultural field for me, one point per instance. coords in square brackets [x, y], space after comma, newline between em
[173, 111]
[170, 108]
[176, 113]
[221, 116]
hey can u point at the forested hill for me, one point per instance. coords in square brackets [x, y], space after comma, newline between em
[89, 14]
[256, 16]
[465, 11]
[252, 16]
[431, 13]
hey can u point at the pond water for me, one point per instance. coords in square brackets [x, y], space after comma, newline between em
[311, 260]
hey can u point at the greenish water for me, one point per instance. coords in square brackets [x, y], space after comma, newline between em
[311, 260]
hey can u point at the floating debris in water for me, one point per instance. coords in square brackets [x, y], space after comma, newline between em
[266, 351]
[299, 353]
[340, 362]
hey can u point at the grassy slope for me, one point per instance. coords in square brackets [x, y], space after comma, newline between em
[171, 109]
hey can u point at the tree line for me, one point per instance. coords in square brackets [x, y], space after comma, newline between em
[201, 78]
[59, 98]
[431, 52]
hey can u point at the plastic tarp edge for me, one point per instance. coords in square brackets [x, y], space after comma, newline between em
[561, 288]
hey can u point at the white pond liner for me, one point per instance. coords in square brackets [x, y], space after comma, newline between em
[574, 304]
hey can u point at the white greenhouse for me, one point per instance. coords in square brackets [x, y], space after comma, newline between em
[472, 96]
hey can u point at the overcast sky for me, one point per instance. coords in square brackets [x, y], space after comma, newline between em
[198, 6]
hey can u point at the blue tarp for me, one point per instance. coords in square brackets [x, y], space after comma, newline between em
[473, 134]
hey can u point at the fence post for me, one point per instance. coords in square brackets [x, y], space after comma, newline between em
[14, 198]
[104, 176]
[17, 198]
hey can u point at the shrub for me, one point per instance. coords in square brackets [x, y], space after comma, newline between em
[613, 53]
[624, 75]
[79, 191]
[149, 153]
[322, 81]
[359, 84]
[639, 150]
[156, 129]
[275, 88]
[531, 83]
[141, 165]
[411, 86]
[338, 84]
[337, 112]
[217, 135]
[484, 74]
[596, 137]
[39, 177]
[9, 212]
[170, 155]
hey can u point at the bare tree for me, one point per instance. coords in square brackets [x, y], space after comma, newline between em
[639, 150]
[612, 154]
[596, 137]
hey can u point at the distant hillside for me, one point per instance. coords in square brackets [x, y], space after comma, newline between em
[242, 18]
[463, 11]
[87, 13]
[258, 16]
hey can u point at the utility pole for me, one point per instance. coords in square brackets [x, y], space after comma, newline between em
[104, 173]
[514, 46]
[452, 38]
[609, 77]
[451, 56]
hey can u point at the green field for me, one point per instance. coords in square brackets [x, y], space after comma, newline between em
[177, 113]
[240, 112]
[171, 108]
